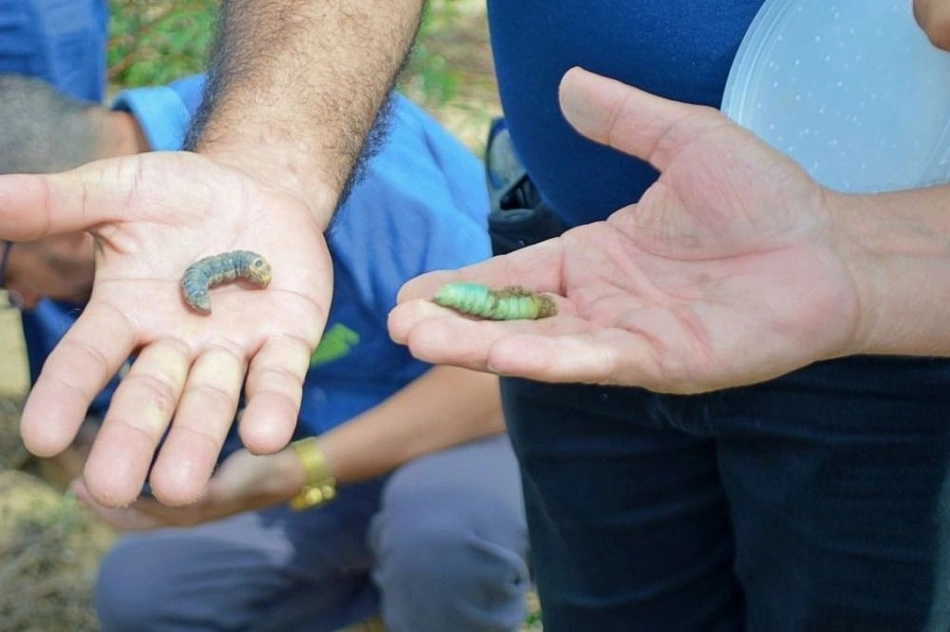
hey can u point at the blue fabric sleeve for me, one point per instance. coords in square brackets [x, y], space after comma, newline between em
[421, 205]
[164, 112]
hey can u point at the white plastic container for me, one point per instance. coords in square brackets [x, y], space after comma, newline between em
[851, 89]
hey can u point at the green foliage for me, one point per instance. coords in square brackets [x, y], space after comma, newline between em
[154, 42]
[429, 71]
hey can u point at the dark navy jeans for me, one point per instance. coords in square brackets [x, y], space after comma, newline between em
[818, 502]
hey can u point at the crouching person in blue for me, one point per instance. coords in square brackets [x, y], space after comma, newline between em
[61, 41]
[402, 495]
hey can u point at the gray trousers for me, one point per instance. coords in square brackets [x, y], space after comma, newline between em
[441, 545]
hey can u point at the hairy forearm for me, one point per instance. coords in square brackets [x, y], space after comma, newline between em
[898, 248]
[294, 87]
[445, 407]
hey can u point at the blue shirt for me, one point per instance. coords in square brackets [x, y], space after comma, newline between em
[421, 205]
[61, 41]
[680, 49]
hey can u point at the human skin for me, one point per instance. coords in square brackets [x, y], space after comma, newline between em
[62, 268]
[733, 268]
[299, 83]
[294, 88]
[444, 407]
[933, 16]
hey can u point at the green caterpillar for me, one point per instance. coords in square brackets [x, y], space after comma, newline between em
[511, 302]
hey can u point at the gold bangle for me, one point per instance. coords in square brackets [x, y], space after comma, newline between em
[320, 487]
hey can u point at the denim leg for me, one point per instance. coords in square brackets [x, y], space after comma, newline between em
[273, 570]
[628, 520]
[451, 542]
[838, 480]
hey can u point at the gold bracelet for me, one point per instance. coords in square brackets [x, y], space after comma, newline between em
[320, 487]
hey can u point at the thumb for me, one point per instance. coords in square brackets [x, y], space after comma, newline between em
[631, 120]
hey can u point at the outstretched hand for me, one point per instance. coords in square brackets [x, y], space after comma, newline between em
[244, 482]
[724, 273]
[152, 215]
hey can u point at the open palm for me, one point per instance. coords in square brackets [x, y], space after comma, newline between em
[722, 274]
[152, 216]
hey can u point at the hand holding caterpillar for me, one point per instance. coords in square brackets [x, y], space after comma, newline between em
[511, 302]
[210, 271]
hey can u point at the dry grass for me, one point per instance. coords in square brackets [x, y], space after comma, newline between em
[49, 547]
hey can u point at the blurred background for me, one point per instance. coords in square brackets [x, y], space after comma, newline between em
[450, 73]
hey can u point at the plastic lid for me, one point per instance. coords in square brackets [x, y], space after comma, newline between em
[852, 90]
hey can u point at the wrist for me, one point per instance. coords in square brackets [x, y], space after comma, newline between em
[290, 474]
[281, 165]
[896, 250]
[854, 233]
[126, 136]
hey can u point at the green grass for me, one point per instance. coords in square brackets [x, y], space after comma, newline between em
[436, 78]
[152, 42]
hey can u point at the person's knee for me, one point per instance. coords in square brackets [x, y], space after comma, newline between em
[443, 548]
[129, 591]
[458, 509]
[450, 553]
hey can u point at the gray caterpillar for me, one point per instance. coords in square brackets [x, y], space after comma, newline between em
[511, 302]
[210, 271]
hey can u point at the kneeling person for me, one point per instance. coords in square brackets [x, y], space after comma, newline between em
[427, 526]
